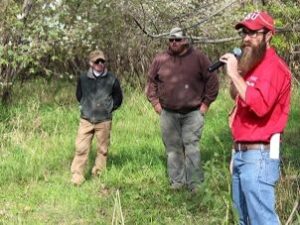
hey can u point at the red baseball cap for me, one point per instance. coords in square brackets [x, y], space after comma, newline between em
[257, 21]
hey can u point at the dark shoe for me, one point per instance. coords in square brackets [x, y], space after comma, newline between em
[194, 190]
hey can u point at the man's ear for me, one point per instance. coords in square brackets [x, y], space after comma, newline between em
[90, 63]
[185, 41]
[269, 36]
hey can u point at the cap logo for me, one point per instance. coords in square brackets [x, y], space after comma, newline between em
[252, 16]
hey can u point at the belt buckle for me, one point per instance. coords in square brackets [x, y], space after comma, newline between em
[239, 147]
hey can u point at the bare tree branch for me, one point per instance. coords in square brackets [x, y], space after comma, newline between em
[143, 10]
[184, 28]
[193, 14]
[27, 5]
[228, 39]
[209, 17]
[146, 32]
[292, 28]
[214, 41]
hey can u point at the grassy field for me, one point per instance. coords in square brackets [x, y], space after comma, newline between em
[37, 146]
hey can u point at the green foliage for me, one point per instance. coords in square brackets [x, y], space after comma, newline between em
[54, 39]
[287, 16]
[37, 146]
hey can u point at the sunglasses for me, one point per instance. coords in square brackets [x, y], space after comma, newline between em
[251, 33]
[99, 61]
[175, 39]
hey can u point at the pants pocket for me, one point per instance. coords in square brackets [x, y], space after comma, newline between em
[270, 171]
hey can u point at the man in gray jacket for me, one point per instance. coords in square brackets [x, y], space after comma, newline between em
[99, 94]
[180, 90]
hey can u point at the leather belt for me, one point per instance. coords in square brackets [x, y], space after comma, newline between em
[242, 146]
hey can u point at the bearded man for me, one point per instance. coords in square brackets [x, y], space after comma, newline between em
[181, 89]
[262, 83]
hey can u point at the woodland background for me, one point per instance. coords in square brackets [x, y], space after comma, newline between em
[43, 49]
[51, 39]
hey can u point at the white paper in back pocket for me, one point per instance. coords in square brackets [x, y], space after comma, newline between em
[275, 146]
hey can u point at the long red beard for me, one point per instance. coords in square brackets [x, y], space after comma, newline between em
[251, 57]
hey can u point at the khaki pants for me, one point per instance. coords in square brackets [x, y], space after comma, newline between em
[83, 143]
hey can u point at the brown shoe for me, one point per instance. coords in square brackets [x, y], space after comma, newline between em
[96, 172]
[77, 179]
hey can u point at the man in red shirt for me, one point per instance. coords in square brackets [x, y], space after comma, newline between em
[262, 83]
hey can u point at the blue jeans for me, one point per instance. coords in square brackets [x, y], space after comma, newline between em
[181, 134]
[253, 187]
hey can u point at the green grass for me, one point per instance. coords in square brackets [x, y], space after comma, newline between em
[37, 146]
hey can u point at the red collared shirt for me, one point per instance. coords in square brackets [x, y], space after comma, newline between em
[267, 101]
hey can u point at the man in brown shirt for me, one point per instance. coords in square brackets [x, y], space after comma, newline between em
[181, 89]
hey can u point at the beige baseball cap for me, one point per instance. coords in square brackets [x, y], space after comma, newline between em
[97, 54]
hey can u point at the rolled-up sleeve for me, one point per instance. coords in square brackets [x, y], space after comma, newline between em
[262, 97]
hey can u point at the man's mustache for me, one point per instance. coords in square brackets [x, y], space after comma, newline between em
[246, 44]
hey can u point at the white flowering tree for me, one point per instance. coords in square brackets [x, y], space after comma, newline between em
[51, 38]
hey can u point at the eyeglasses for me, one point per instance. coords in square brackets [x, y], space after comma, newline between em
[99, 61]
[251, 33]
[175, 39]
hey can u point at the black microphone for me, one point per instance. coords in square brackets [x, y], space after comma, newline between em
[237, 53]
